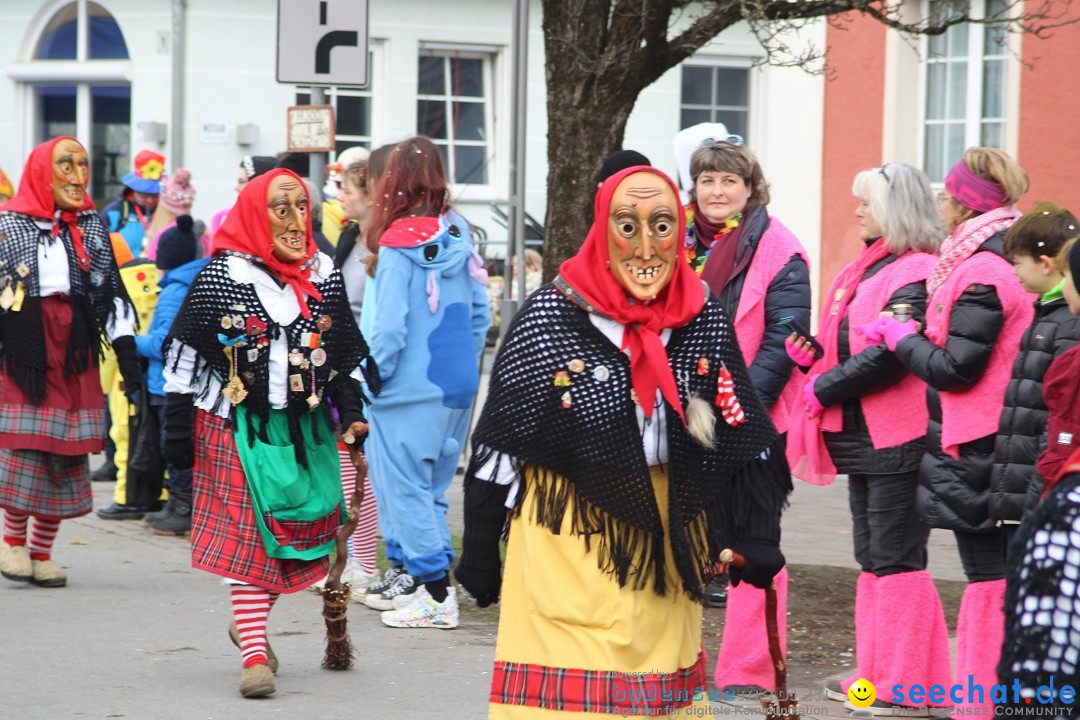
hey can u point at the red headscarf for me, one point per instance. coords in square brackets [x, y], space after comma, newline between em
[677, 304]
[247, 230]
[35, 197]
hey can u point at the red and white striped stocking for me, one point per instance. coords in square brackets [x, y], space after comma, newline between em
[15, 527]
[363, 540]
[251, 608]
[42, 536]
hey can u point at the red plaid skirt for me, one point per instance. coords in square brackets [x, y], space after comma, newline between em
[45, 484]
[595, 691]
[225, 539]
[71, 420]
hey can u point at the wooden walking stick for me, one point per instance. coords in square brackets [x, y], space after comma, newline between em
[782, 704]
[336, 595]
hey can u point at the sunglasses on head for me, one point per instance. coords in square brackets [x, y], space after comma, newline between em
[730, 140]
[883, 173]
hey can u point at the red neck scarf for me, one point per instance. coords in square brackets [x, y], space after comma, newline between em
[246, 231]
[676, 305]
[35, 197]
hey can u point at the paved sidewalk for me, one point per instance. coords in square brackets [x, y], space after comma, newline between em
[139, 634]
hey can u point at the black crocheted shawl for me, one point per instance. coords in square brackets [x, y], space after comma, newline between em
[92, 297]
[716, 496]
[1042, 598]
[218, 311]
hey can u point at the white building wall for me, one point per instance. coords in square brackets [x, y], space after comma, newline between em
[230, 76]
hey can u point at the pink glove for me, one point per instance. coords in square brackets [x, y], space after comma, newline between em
[803, 357]
[895, 331]
[872, 331]
[813, 405]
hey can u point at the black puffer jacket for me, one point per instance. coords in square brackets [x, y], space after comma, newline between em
[851, 449]
[1015, 485]
[788, 295]
[956, 491]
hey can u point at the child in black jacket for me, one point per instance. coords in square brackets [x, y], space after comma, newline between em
[1032, 244]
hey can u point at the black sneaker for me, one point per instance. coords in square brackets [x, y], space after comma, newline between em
[105, 473]
[385, 582]
[119, 511]
[160, 514]
[716, 592]
[391, 598]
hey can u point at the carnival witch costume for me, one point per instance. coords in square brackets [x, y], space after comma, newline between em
[55, 262]
[618, 510]
[264, 338]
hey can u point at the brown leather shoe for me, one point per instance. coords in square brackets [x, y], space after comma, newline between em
[271, 658]
[46, 573]
[15, 563]
[257, 681]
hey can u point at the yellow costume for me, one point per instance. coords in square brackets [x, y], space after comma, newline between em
[141, 282]
[563, 612]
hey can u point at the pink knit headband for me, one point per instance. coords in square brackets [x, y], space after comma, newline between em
[974, 191]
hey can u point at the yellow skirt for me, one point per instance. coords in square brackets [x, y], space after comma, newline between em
[571, 640]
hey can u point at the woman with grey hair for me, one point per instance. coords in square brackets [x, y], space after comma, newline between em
[866, 416]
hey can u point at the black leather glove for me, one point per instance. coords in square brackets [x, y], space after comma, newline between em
[347, 395]
[763, 561]
[178, 422]
[127, 359]
[479, 569]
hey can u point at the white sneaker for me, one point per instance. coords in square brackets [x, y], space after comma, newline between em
[359, 580]
[384, 583]
[403, 584]
[424, 612]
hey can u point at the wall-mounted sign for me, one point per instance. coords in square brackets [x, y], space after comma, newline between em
[213, 131]
[322, 42]
[310, 128]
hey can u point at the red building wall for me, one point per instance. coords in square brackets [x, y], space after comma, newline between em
[854, 112]
[1049, 144]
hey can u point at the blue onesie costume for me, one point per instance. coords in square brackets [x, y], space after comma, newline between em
[428, 328]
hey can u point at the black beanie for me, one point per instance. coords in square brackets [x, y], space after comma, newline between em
[256, 165]
[299, 163]
[1074, 261]
[620, 160]
[177, 245]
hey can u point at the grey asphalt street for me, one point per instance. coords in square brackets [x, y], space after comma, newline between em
[139, 634]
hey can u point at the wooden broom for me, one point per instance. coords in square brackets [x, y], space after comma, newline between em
[782, 704]
[336, 595]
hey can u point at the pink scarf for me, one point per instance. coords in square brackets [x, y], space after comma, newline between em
[806, 450]
[966, 239]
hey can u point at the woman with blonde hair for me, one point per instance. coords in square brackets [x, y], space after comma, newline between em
[865, 415]
[976, 314]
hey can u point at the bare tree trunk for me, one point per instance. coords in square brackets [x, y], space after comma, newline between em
[575, 151]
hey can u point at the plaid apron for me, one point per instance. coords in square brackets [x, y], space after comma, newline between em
[225, 539]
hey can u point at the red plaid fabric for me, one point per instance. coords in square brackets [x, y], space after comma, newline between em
[224, 537]
[45, 484]
[71, 420]
[596, 691]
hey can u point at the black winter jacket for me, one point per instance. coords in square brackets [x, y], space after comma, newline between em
[1015, 485]
[788, 295]
[956, 491]
[851, 449]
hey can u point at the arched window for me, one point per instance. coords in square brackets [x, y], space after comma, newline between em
[59, 41]
[75, 79]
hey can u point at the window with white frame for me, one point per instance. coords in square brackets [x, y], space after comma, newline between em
[965, 87]
[716, 92]
[454, 109]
